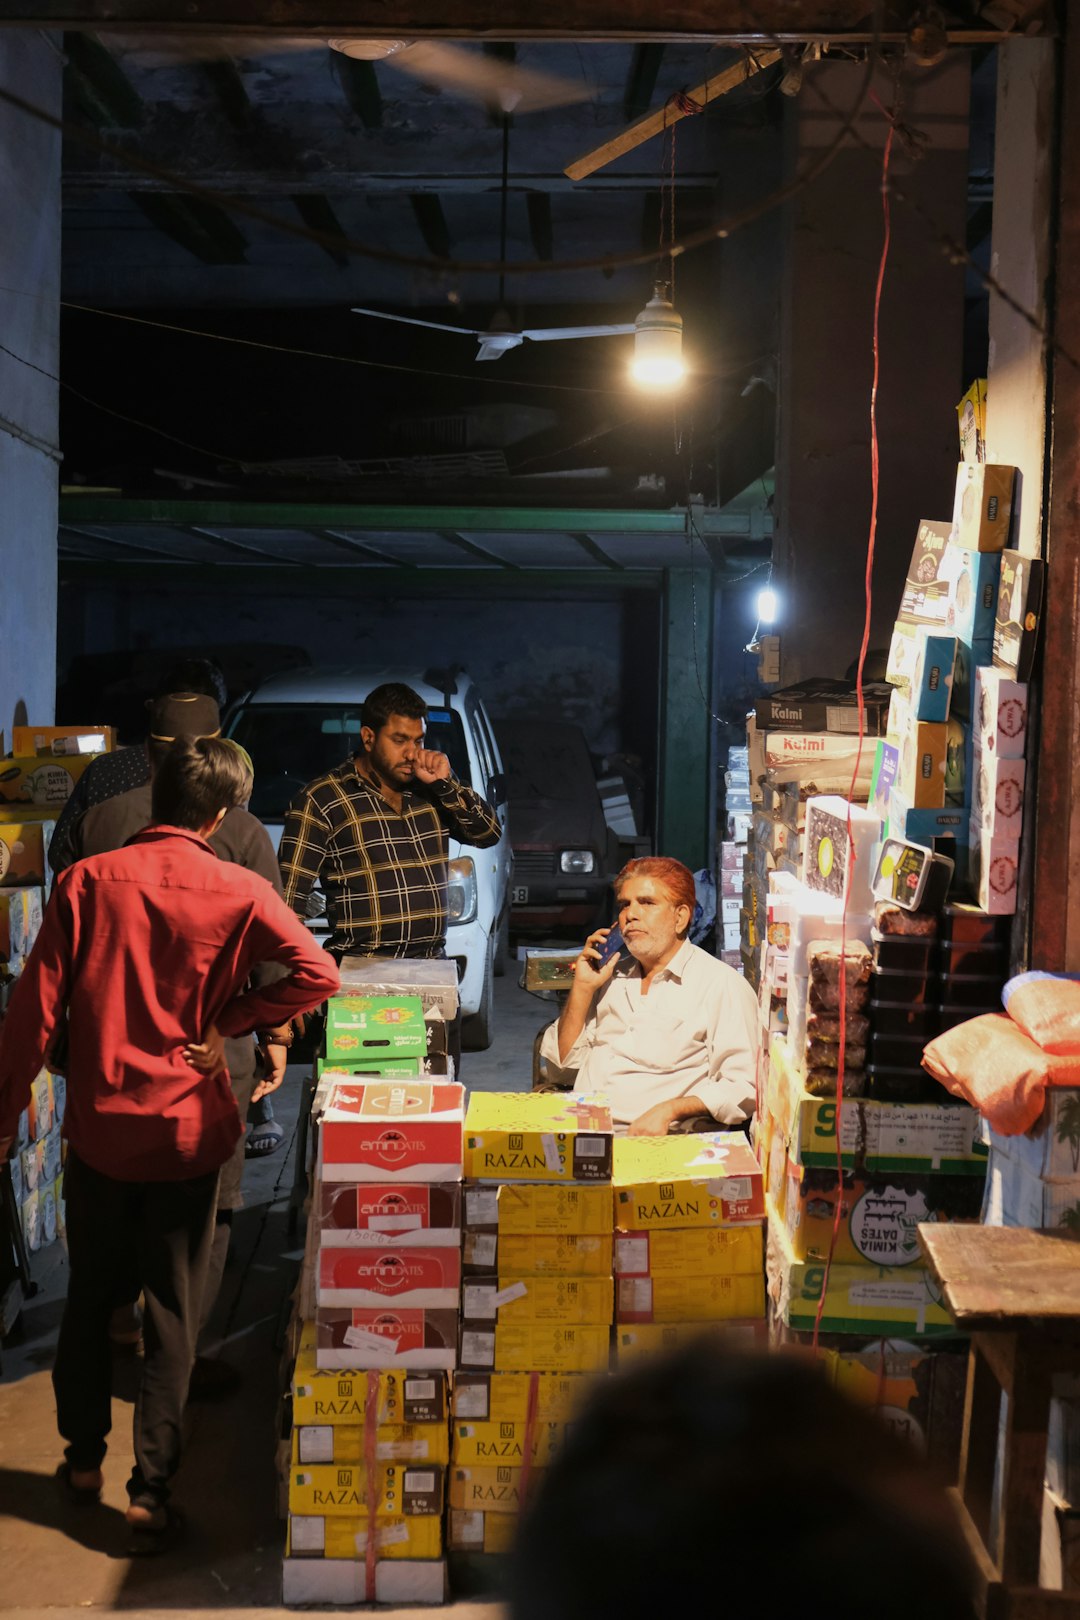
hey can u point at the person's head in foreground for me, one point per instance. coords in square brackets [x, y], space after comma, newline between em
[654, 907]
[741, 1486]
[197, 780]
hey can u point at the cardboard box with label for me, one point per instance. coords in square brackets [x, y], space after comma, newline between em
[22, 853]
[391, 1129]
[525, 1255]
[61, 741]
[537, 1136]
[21, 913]
[951, 588]
[997, 794]
[41, 781]
[344, 1581]
[504, 1443]
[676, 1181]
[982, 505]
[1019, 608]
[345, 1443]
[317, 1535]
[993, 870]
[573, 1301]
[343, 1210]
[420, 1340]
[472, 1530]
[823, 705]
[504, 1397]
[1015, 1197]
[406, 1271]
[1051, 1149]
[922, 664]
[726, 1251]
[543, 1347]
[921, 749]
[1000, 713]
[689, 1299]
[380, 1028]
[489, 1489]
[435, 981]
[636, 1339]
[342, 1492]
[879, 1214]
[320, 1397]
[551, 1210]
[867, 1299]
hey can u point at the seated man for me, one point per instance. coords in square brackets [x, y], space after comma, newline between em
[669, 1034]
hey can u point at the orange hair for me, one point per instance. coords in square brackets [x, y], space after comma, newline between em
[673, 876]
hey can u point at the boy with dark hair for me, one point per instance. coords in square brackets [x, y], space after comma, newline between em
[147, 949]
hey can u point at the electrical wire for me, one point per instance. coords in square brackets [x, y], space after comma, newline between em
[875, 490]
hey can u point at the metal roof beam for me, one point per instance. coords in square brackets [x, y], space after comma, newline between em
[538, 204]
[641, 79]
[597, 553]
[318, 215]
[474, 550]
[98, 84]
[228, 544]
[204, 229]
[432, 222]
[347, 543]
[360, 86]
[229, 89]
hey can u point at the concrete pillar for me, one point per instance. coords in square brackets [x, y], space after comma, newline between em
[830, 266]
[686, 755]
[30, 66]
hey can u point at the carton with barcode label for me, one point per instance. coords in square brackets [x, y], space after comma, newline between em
[690, 1251]
[490, 1489]
[318, 1535]
[473, 1530]
[545, 1209]
[505, 1443]
[544, 1347]
[505, 1397]
[633, 1339]
[345, 1443]
[707, 1180]
[689, 1299]
[507, 1299]
[537, 1136]
[345, 1209]
[417, 1339]
[340, 1396]
[342, 1490]
[520, 1254]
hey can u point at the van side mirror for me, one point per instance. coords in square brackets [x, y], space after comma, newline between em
[496, 789]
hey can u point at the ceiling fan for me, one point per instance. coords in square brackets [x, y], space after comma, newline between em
[501, 336]
[496, 81]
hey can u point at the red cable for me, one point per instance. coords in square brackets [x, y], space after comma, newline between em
[875, 480]
[371, 1488]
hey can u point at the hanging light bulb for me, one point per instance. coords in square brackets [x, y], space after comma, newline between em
[658, 358]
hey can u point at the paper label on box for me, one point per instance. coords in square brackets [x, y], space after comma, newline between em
[590, 1147]
[394, 1223]
[307, 1532]
[888, 1291]
[401, 1451]
[478, 1347]
[317, 1443]
[478, 1299]
[358, 1338]
[419, 1484]
[736, 1189]
[481, 1206]
[467, 1526]
[516, 1290]
[632, 1254]
[551, 1153]
[471, 1400]
[635, 1294]
[420, 1389]
[932, 1132]
[390, 1535]
[482, 1248]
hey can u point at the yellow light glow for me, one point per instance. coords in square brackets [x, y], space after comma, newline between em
[657, 372]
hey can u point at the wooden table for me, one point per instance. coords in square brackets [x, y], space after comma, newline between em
[1017, 1293]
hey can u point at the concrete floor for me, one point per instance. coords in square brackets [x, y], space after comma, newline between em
[57, 1558]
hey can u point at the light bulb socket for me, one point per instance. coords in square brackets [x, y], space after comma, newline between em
[658, 360]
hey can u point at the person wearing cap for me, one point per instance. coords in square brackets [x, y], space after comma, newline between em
[146, 954]
[242, 839]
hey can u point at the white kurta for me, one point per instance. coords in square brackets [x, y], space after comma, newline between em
[696, 1033]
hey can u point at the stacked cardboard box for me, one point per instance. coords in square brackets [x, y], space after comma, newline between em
[536, 1299]
[37, 1165]
[368, 1447]
[739, 804]
[689, 1239]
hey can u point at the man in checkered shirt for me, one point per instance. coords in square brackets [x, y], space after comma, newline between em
[375, 833]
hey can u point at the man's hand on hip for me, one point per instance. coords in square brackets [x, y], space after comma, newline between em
[207, 1055]
[429, 766]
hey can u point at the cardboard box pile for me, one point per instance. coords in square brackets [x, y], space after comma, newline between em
[689, 1238]
[536, 1298]
[741, 797]
[368, 1447]
[37, 1164]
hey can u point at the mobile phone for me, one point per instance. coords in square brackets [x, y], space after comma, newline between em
[610, 947]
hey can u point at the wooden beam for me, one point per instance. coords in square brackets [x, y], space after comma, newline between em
[360, 86]
[98, 84]
[201, 227]
[229, 90]
[432, 222]
[707, 21]
[541, 229]
[318, 215]
[641, 80]
[655, 123]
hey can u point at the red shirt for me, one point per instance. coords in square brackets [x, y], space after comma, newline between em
[146, 947]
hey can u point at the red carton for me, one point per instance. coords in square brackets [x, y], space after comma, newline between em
[384, 1130]
[346, 1209]
[406, 1274]
[359, 1338]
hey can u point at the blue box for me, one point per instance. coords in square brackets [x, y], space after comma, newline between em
[951, 589]
[923, 826]
[921, 666]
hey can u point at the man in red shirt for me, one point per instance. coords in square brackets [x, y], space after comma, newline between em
[148, 949]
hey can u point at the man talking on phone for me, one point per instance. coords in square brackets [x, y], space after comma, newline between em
[666, 1032]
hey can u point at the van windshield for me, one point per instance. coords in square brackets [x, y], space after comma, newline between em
[292, 743]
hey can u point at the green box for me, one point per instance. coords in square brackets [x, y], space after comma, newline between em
[392, 1069]
[375, 1028]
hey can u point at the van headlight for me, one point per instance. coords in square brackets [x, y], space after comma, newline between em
[461, 891]
[578, 861]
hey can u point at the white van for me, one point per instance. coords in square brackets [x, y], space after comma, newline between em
[300, 724]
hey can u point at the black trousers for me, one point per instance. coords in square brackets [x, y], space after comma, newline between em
[160, 1232]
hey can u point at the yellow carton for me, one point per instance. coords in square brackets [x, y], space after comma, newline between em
[470, 1530]
[61, 741]
[570, 1255]
[679, 1181]
[519, 1209]
[41, 781]
[321, 1397]
[315, 1535]
[22, 850]
[871, 1300]
[908, 1137]
[489, 1490]
[394, 1442]
[689, 1299]
[536, 1347]
[574, 1301]
[537, 1136]
[503, 1397]
[504, 1443]
[633, 1339]
[340, 1492]
[691, 1252]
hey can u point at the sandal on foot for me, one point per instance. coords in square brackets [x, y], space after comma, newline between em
[156, 1534]
[264, 1139]
[85, 1494]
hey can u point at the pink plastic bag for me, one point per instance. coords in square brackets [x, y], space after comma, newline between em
[993, 1065]
[1047, 1007]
